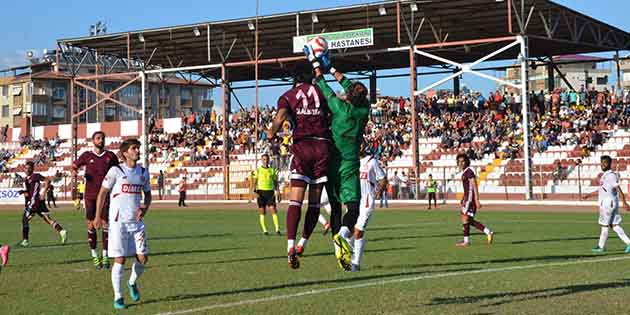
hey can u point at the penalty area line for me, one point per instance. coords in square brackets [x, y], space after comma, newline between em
[392, 281]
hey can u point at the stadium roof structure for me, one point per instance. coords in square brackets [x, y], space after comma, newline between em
[460, 30]
[460, 34]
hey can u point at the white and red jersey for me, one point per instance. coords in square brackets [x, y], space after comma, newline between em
[126, 186]
[370, 173]
[608, 184]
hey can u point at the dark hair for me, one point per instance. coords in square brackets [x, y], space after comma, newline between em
[30, 163]
[265, 154]
[97, 133]
[606, 158]
[357, 93]
[465, 157]
[303, 73]
[125, 145]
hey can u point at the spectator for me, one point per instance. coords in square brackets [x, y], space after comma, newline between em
[160, 182]
[182, 188]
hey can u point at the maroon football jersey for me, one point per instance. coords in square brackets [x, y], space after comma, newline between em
[33, 185]
[468, 180]
[96, 167]
[308, 109]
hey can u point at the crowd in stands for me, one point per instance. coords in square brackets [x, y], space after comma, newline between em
[471, 122]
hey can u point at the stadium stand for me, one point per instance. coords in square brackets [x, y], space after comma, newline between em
[568, 139]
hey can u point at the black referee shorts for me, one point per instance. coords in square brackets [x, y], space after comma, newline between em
[266, 198]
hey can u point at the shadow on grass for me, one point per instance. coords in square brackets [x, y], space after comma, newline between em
[302, 284]
[183, 237]
[410, 237]
[489, 261]
[316, 254]
[549, 240]
[163, 253]
[520, 296]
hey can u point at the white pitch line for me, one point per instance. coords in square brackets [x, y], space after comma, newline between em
[384, 282]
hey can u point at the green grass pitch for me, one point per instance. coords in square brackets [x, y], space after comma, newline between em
[217, 262]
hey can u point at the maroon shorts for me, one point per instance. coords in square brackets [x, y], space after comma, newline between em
[469, 209]
[309, 163]
[90, 209]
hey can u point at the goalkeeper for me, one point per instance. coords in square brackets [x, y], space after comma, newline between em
[349, 117]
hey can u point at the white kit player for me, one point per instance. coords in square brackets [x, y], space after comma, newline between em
[126, 184]
[609, 193]
[324, 203]
[373, 181]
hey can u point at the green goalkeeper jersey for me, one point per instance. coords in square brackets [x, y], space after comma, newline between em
[348, 120]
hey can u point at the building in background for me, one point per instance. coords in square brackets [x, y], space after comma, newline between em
[579, 70]
[38, 94]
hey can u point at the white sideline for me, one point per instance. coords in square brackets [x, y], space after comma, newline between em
[384, 282]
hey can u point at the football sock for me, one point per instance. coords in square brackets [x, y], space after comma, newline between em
[603, 236]
[276, 224]
[322, 220]
[622, 234]
[350, 219]
[479, 226]
[92, 238]
[104, 253]
[327, 207]
[345, 232]
[261, 220]
[25, 227]
[94, 253]
[118, 272]
[293, 218]
[466, 232]
[105, 237]
[302, 242]
[357, 253]
[136, 271]
[290, 244]
[56, 226]
[335, 217]
[310, 220]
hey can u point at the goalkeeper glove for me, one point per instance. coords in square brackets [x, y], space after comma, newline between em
[310, 55]
[325, 60]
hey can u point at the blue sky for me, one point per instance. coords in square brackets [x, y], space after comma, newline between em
[35, 25]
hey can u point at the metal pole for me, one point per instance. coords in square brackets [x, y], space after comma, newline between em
[525, 113]
[414, 131]
[96, 86]
[618, 72]
[73, 127]
[145, 133]
[444, 188]
[579, 166]
[541, 183]
[226, 154]
[128, 51]
[256, 127]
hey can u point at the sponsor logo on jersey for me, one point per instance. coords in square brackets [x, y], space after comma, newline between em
[131, 188]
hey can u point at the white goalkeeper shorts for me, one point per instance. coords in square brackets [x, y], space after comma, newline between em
[127, 240]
